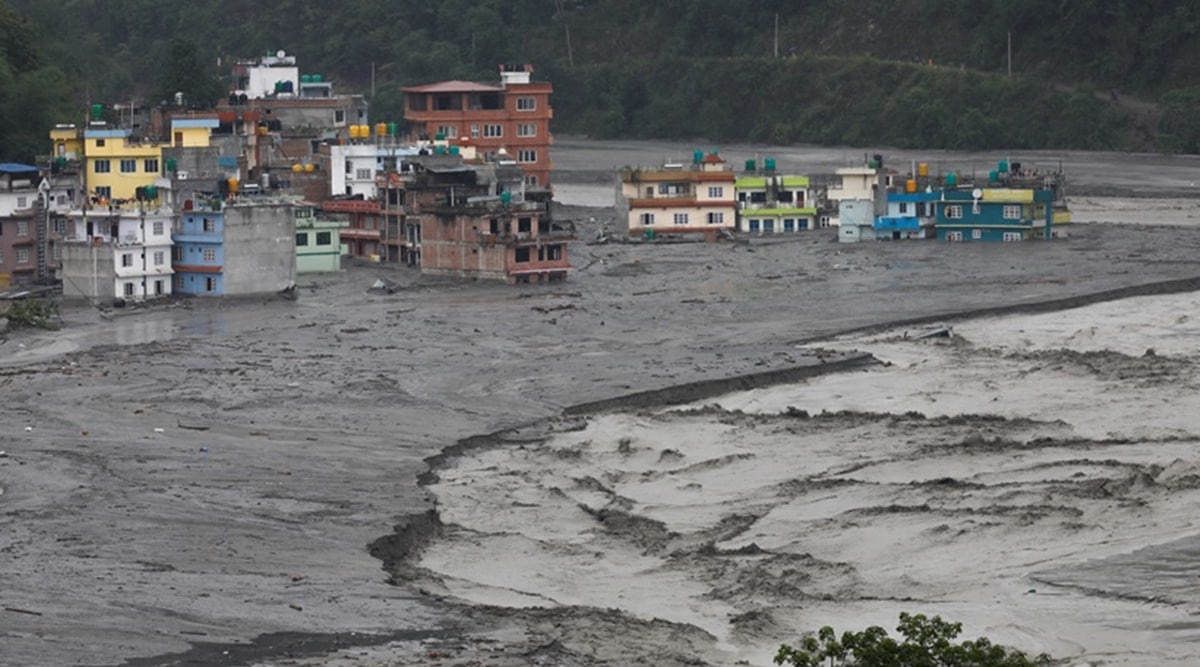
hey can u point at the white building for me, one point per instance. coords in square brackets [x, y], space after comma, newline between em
[118, 253]
[855, 183]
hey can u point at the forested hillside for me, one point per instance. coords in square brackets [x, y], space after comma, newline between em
[1116, 74]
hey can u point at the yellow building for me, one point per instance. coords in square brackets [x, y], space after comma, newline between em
[115, 166]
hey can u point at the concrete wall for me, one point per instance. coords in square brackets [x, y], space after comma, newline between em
[88, 272]
[260, 248]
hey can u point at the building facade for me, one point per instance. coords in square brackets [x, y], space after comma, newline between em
[775, 204]
[995, 214]
[676, 200]
[513, 116]
[240, 247]
[118, 253]
[318, 245]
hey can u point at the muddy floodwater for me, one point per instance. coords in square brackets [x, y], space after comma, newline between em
[686, 454]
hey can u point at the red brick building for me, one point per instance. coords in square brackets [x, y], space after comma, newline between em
[514, 116]
[473, 221]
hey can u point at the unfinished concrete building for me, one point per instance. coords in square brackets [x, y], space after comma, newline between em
[475, 221]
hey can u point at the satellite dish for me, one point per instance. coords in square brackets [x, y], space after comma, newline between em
[977, 193]
[280, 53]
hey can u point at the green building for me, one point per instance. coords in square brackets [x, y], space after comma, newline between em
[318, 242]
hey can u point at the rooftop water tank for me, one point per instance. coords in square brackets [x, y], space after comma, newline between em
[769, 164]
[97, 112]
[750, 166]
[697, 156]
[951, 179]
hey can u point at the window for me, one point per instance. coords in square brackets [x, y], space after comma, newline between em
[158, 288]
[102, 166]
[22, 228]
[493, 130]
[955, 212]
[524, 225]
[128, 289]
[526, 156]
[526, 103]
[903, 207]
[681, 218]
[177, 283]
[150, 165]
[210, 254]
[1011, 237]
[448, 131]
[209, 225]
[301, 239]
[159, 257]
[1012, 212]
[531, 181]
[554, 252]
[976, 234]
[100, 143]
[339, 116]
[177, 254]
[789, 225]
[716, 192]
[755, 225]
[717, 218]
[475, 130]
[646, 218]
[953, 236]
[128, 166]
[103, 191]
[324, 238]
[362, 174]
[210, 284]
[522, 254]
[157, 228]
[22, 255]
[22, 202]
[60, 226]
[127, 259]
[526, 130]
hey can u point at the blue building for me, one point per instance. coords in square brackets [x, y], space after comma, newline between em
[909, 215]
[995, 214]
[198, 257]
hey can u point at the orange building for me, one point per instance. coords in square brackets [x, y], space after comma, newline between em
[514, 116]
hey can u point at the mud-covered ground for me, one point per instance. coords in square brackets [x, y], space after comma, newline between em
[218, 482]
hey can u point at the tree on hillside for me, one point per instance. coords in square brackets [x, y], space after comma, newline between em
[33, 95]
[186, 72]
[928, 642]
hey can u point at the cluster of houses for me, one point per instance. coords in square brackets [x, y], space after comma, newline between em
[708, 198]
[285, 177]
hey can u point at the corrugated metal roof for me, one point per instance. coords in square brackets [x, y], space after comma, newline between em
[17, 168]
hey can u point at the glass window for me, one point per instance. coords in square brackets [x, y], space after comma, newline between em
[128, 166]
[493, 130]
[102, 166]
[526, 156]
[324, 238]
[526, 130]
[301, 239]
[210, 254]
[158, 228]
[681, 218]
[150, 165]
[526, 103]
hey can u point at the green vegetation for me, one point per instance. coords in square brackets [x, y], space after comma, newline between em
[1093, 74]
[928, 642]
[25, 313]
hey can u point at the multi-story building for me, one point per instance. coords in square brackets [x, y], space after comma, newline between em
[909, 215]
[514, 116]
[118, 252]
[360, 235]
[318, 247]
[116, 165]
[678, 200]
[20, 218]
[995, 214]
[856, 184]
[474, 221]
[244, 246]
[774, 204]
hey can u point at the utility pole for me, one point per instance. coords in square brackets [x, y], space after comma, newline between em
[1010, 53]
[776, 34]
